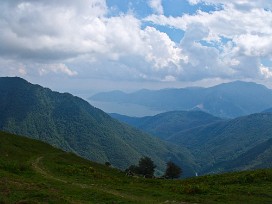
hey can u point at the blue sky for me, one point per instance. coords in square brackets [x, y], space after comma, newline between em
[88, 46]
[175, 8]
[142, 8]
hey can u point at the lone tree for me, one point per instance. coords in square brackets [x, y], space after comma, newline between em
[146, 167]
[172, 170]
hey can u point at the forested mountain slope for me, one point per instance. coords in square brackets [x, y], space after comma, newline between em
[241, 143]
[166, 124]
[72, 124]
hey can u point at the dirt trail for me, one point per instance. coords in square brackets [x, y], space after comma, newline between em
[37, 166]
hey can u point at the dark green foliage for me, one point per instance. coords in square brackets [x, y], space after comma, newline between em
[72, 124]
[146, 167]
[259, 156]
[239, 144]
[218, 145]
[48, 175]
[225, 100]
[164, 125]
[172, 170]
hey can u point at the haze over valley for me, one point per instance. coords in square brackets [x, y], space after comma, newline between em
[135, 101]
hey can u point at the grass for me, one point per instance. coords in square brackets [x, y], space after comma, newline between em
[34, 172]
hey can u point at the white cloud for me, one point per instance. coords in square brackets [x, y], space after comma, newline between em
[254, 45]
[55, 36]
[35, 29]
[169, 78]
[228, 22]
[56, 68]
[22, 71]
[156, 5]
[12, 68]
[266, 72]
[60, 32]
[239, 4]
[228, 43]
[80, 39]
[161, 50]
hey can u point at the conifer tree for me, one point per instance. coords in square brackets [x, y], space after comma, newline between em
[172, 170]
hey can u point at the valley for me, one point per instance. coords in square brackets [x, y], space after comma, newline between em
[134, 101]
[201, 144]
[72, 124]
[218, 145]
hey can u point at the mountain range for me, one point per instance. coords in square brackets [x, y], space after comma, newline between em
[166, 124]
[219, 145]
[228, 100]
[72, 124]
[195, 140]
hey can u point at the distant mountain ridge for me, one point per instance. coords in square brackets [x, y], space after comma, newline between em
[166, 124]
[228, 100]
[74, 125]
[269, 110]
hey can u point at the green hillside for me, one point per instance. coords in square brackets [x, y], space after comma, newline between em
[164, 125]
[72, 124]
[34, 172]
[257, 157]
[238, 144]
[218, 145]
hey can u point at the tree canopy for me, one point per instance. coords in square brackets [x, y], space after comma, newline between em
[172, 170]
[146, 167]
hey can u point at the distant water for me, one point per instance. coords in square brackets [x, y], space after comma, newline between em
[124, 108]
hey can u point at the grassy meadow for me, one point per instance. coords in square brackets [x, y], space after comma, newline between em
[35, 172]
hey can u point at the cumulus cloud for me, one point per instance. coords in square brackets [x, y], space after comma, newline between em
[228, 22]
[81, 39]
[254, 45]
[230, 42]
[161, 50]
[49, 30]
[59, 34]
[266, 72]
[156, 5]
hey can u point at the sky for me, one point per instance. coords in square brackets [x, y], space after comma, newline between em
[88, 46]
